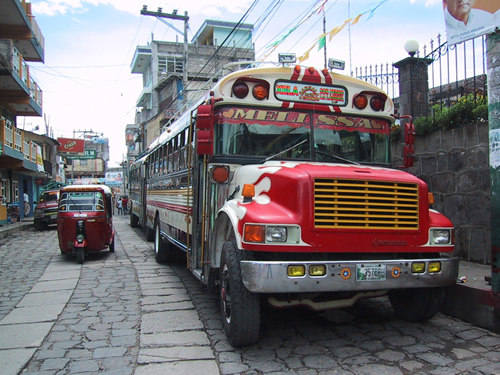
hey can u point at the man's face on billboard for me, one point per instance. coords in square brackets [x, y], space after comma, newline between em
[459, 8]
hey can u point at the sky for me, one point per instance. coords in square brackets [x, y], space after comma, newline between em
[86, 77]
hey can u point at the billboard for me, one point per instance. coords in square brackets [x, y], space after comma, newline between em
[70, 145]
[468, 19]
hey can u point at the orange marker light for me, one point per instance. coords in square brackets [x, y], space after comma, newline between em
[360, 101]
[260, 92]
[220, 174]
[254, 233]
[248, 191]
[430, 198]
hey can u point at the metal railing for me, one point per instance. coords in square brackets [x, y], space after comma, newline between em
[455, 71]
[21, 69]
[13, 138]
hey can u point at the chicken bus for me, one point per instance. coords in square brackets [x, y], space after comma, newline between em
[277, 187]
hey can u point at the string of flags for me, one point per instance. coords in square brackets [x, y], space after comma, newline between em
[321, 40]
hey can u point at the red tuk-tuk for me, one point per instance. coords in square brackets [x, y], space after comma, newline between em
[84, 220]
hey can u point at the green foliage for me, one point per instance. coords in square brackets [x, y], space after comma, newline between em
[469, 109]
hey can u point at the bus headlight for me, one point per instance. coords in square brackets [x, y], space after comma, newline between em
[276, 234]
[440, 236]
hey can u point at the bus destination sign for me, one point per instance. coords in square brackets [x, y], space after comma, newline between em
[310, 93]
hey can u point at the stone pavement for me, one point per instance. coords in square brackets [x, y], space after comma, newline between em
[122, 313]
[114, 312]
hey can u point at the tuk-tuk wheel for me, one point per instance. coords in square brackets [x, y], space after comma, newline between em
[80, 255]
[112, 246]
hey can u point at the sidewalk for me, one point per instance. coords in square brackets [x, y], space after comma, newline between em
[18, 226]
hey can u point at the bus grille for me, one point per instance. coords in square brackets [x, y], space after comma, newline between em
[340, 203]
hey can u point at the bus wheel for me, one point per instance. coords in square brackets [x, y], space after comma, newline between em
[416, 305]
[134, 220]
[80, 255]
[240, 308]
[150, 234]
[163, 250]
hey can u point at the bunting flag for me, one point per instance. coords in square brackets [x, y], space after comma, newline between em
[275, 44]
[321, 40]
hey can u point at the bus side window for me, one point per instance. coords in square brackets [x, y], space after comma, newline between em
[170, 157]
[176, 153]
[162, 160]
[182, 149]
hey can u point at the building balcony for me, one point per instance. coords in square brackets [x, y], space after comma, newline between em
[18, 24]
[18, 91]
[145, 99]
[141, 60]
[16, 152]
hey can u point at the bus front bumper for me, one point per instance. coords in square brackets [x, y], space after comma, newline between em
[348, 276]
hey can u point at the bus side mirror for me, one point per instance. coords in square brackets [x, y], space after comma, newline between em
[409, 145]
[205, 130]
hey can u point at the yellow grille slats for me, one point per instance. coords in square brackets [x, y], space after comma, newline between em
[343, 203]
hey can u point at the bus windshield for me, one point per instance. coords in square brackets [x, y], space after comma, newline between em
[302, 135]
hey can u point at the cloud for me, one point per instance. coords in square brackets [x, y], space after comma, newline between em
[209, 8]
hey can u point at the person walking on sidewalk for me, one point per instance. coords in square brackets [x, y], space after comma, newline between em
[125, 205]
[119, 205]
[26, 199]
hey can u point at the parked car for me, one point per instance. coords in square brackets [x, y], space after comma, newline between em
[46, 209]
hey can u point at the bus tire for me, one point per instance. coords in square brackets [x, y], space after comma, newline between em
[163, 249]
[416, 305]
[240, 307]
[134, 220]
[150, 234]
[80, 255]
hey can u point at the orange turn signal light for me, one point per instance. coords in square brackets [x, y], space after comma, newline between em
[254, 233]
[248, 191]
[430, 197]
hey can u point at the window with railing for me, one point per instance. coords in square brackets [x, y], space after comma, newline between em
[18, 140]
[26, 149]
[9, 135]
[170, 64]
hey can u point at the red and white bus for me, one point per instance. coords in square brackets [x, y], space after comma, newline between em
[279, 188]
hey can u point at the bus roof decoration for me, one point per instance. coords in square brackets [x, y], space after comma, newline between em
[336, 64]
[287, 58]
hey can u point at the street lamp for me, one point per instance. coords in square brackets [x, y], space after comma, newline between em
[411, 46]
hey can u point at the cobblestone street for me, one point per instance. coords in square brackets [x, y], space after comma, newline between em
[126, 314]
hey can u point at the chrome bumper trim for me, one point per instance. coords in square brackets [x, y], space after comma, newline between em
[271, 277]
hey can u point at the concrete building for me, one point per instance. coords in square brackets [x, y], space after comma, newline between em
[165, 95]
[22, 153]
[90, 166]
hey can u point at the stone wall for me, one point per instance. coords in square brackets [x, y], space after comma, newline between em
[454, 164]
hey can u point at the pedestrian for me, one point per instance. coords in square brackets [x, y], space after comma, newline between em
[26, 203]
[125, 205]
[119, 205]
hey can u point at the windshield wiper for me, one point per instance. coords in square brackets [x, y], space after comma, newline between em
[336, 157]
[286, 150]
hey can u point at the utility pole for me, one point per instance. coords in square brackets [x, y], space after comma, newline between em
[174, 16]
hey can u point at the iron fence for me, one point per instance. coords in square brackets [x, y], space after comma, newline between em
[454, 71]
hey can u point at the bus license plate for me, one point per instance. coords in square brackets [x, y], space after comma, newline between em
[370, 272]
